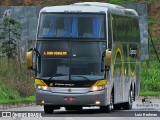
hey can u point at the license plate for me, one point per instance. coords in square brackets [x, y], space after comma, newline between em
[69, 98]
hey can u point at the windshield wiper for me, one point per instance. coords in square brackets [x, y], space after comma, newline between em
[80, 76]
[56, 75]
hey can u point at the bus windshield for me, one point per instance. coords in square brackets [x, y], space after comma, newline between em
[65, 25]
[81, 61]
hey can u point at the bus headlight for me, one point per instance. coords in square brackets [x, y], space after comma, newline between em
[97, 88]
[99, 85]
[40, 87]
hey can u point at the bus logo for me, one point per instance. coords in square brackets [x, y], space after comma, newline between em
[69, 90]
[51, 84]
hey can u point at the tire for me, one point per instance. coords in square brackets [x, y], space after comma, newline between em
[117, 106]
[128, 105]
[48, 109]
[108, 108]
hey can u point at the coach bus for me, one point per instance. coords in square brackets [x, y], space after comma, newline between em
[86, 54]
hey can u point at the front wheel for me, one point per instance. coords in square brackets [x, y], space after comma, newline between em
[108, 108]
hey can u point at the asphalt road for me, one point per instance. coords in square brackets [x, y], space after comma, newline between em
[140, 111]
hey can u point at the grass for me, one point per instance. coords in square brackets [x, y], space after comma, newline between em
[16, 78]
[150, 80]
[30, 99]
[16, 84]
[150, 93]
[8, 95]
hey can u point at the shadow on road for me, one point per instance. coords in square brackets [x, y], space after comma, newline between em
[82, 113]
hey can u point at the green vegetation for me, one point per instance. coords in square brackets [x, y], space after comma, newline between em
[15, 79]
[10, 35]
[30, 99]
[150, 81]
[7, 93]
[15, 82]
[150, 93]
[122, 1]
[151, 21]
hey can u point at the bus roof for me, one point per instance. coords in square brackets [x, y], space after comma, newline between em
[91, 7]
[73, 8]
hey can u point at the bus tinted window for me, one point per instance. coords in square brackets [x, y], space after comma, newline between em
[125, 29]
[72, 26]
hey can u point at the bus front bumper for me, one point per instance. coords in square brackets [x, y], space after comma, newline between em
[97, 98]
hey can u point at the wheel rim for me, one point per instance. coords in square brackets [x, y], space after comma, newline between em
[111, 101]
[130, 99]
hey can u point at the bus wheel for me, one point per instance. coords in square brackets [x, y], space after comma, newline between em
[48, 109]
[128, 105]
[108, 108]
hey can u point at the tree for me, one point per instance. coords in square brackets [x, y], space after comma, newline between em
[10, 35]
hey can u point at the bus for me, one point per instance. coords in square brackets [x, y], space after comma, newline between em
[86, 54]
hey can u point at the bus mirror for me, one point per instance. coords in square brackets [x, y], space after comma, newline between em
[108, 56]
[29, 60]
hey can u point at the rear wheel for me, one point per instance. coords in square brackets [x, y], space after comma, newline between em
[128, 105]
[48, 109]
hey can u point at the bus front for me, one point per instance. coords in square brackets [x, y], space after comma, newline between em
[69, 64]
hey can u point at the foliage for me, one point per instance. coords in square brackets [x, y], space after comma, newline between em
[18, 79]
[150, 80]
[151, 21]
[122, 1]
[152, 1]
[7, 93]
[10, 35]
[9, 49]
[29, 99]
[150, 93]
